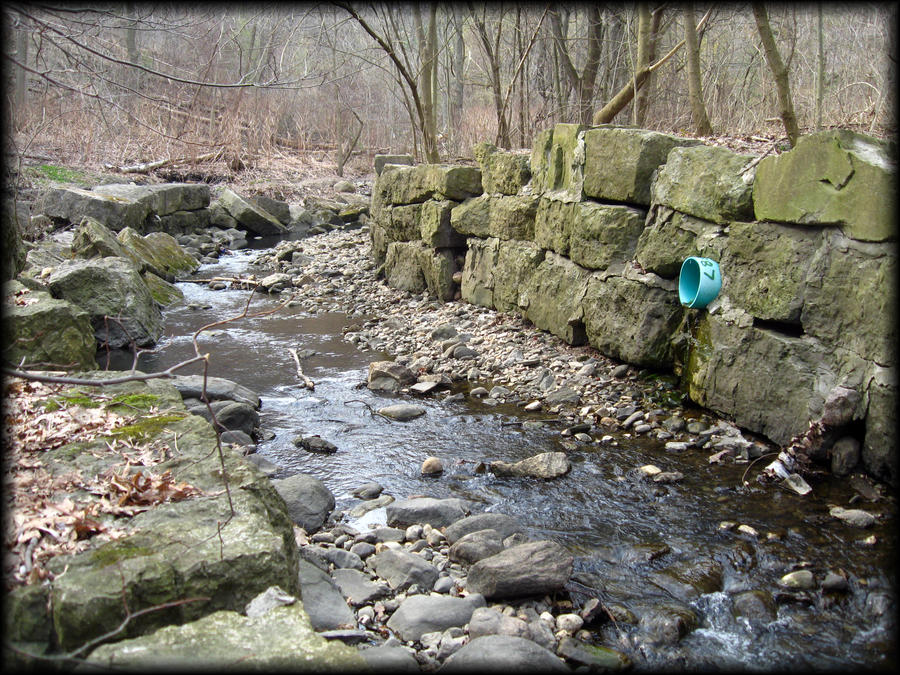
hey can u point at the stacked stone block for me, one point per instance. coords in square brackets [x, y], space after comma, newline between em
[585, 238]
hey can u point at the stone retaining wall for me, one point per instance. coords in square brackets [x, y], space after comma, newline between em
[585, 238]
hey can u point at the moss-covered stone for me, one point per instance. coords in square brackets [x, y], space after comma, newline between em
[454, 182]
[516, 262]
[670, 236]
[163, 293]
[435, 227]
[512, 217]
[114, 211]
[93, 239]
[281, 639]
[158, 252]
[552, 298]
[632, 319]
[706, 182]
[473, 217]
[553, 222]
[879, 452]
[402, 267]
[478, 271]
[437, 268]
[837, 177]
[603, 234]
[502, 172]
[619, 162]
[40, 329]
[557, 161]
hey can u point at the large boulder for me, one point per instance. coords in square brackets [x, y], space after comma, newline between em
[402, 267]
[248, 215]
[158, 251]
[161, 200]
[402, 569]
[473, 217]
[515, 263]
[619, 162]
[670, 236]
[557, 161]
[477, 285]
[552, 299]
[838, 177]
[632, 319]
[501, 523]
[503, 654]
[603, 234]
[502, 172]
[323, 600]
[706, 182]
[38, 328]
[512, 217]
[381, 160]
[553, 223]
[435, 227]
[281, 639]
[112, 292]
[71, 204]
[534, 568]
[437, 512]
[92, 239]
[309, 501]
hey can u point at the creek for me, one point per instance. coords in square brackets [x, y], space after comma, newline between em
[634, 540]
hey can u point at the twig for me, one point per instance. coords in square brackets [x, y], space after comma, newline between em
[372, 411]
[308, 383]
[756, 160]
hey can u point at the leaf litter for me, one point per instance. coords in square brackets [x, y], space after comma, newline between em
[53, 512]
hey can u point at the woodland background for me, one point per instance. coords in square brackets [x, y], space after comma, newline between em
[118, 84]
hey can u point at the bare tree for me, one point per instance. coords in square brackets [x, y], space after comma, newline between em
[695, 89]
[582, 83]
[779, 73]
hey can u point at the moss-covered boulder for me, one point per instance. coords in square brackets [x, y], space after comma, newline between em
[438, 267]
[879, 452]
[280, 639]
[553, 222]
[557, 161]
[502, 172]
[115, 297]
[401, 223]
[706, 182]
[71, 204]
[477, 285]
[516, 262]
[837, 177]
[163, 293]
[512, 217]
[633, 319]
[619, 162]
[38, 328]
[248, 215]
[767, 267]
[454, 182]
[473, 217]
[435, 226]
[402, 267]
[552, 298]
[670, 236]
[159, 252]
[163, 199]
[603, 234]
[92, 239]
[851, 296]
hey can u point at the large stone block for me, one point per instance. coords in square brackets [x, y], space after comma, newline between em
[454, 182]
[478, 271]
[163, 199]
[402, 267]
[435, 227]
[765, 380]
[502, 172]
[619, 162]
[158, 252]
[765, 268]
[40, 329]
[879, 452]
[553, 222]
[552, 298]
[706, 182]
[380, 161]
[557, 161]
[851, 297]
[633, 319]
[248, 215]
[604, 234]
[670, 236]
[93, 239]
[437, 268]
[402, 185]
[512, 217]
[402, 223]
[838, 177]
[515, 263]
[116, 212]
[473, 217]
[112, 292]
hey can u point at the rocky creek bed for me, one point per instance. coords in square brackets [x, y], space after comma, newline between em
[673, 556]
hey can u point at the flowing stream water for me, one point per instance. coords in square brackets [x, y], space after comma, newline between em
[629, 536]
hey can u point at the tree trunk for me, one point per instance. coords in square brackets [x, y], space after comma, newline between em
[20, 89]
[820, 65]
[702, 127]
[428, 80]
[645, 93]
[493, 57]
[779, 72]
[642, 58]
[456, 89]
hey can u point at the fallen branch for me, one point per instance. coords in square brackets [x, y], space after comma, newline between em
[308, 383]
[753, 162]
[147, 167]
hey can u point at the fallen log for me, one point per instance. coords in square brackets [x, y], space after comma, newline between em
[308, 383]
